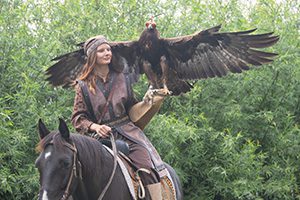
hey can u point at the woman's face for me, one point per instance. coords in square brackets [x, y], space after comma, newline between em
[103, 54]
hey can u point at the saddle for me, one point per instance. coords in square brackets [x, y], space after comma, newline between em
[131, 173]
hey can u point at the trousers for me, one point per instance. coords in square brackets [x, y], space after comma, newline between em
[141, 158]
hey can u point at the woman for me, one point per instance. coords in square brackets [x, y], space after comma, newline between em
[111, 98]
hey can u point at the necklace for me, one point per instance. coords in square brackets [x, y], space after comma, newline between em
[103, 74]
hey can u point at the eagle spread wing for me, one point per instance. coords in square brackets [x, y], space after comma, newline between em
[210, 53]
[206, 54]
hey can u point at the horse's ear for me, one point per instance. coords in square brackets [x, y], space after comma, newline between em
[43, 131]
[63, 129]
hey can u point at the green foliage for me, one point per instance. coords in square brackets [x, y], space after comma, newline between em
[229, 138]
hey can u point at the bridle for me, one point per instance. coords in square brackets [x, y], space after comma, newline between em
[78, 172]
[74, 173]
[74, 170]
[76, 163]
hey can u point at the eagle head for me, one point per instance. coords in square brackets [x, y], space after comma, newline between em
[151, 24]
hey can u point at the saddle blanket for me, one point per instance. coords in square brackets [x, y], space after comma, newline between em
[168, 191]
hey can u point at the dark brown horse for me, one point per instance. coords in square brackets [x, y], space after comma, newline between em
[79, 166]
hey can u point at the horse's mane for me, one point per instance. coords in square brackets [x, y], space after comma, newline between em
[90, 151]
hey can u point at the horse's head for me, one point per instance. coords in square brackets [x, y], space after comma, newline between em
[57, 163]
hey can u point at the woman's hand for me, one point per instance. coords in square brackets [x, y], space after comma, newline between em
[101, 130]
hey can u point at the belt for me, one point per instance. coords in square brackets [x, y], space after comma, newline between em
[117, 121]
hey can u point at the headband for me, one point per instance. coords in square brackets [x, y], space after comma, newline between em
[91, 44]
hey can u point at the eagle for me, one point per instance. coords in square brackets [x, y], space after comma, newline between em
[170, 63]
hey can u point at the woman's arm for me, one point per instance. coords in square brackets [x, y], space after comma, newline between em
[80, 119]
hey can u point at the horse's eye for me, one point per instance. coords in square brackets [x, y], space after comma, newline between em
[65, 164]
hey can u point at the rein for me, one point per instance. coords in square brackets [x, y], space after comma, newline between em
[114, 148]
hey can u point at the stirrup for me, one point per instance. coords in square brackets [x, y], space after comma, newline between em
[141, 188]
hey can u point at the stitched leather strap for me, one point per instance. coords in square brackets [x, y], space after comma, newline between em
[108, 100]
[87, 100]
[88, 103]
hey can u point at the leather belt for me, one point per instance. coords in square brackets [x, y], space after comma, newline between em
[118, 121]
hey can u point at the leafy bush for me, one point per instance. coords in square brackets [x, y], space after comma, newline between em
[229, 138]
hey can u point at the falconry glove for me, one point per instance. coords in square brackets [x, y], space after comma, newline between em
[142, 112]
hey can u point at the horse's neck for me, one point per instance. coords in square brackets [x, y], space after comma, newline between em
[96, 169]
[80, 192]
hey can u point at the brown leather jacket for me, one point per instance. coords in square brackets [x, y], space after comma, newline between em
[122, 100]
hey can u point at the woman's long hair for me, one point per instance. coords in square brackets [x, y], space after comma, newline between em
[88, 73]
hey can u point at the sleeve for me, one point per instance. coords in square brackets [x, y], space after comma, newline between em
[131, 97]
[80, 119]
[131, 102]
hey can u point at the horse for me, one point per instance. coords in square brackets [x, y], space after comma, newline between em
[78, 167]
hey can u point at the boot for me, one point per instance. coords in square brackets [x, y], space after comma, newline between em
[155, 191]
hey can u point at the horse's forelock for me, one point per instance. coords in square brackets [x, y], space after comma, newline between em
[44, 142]
[53, 137]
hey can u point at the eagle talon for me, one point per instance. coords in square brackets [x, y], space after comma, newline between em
[148, 97]
[162, 92]
[166, 92]
[151, 93]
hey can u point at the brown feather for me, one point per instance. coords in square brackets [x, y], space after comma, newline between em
[262, 53]
[67, 69]
[217, 53]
